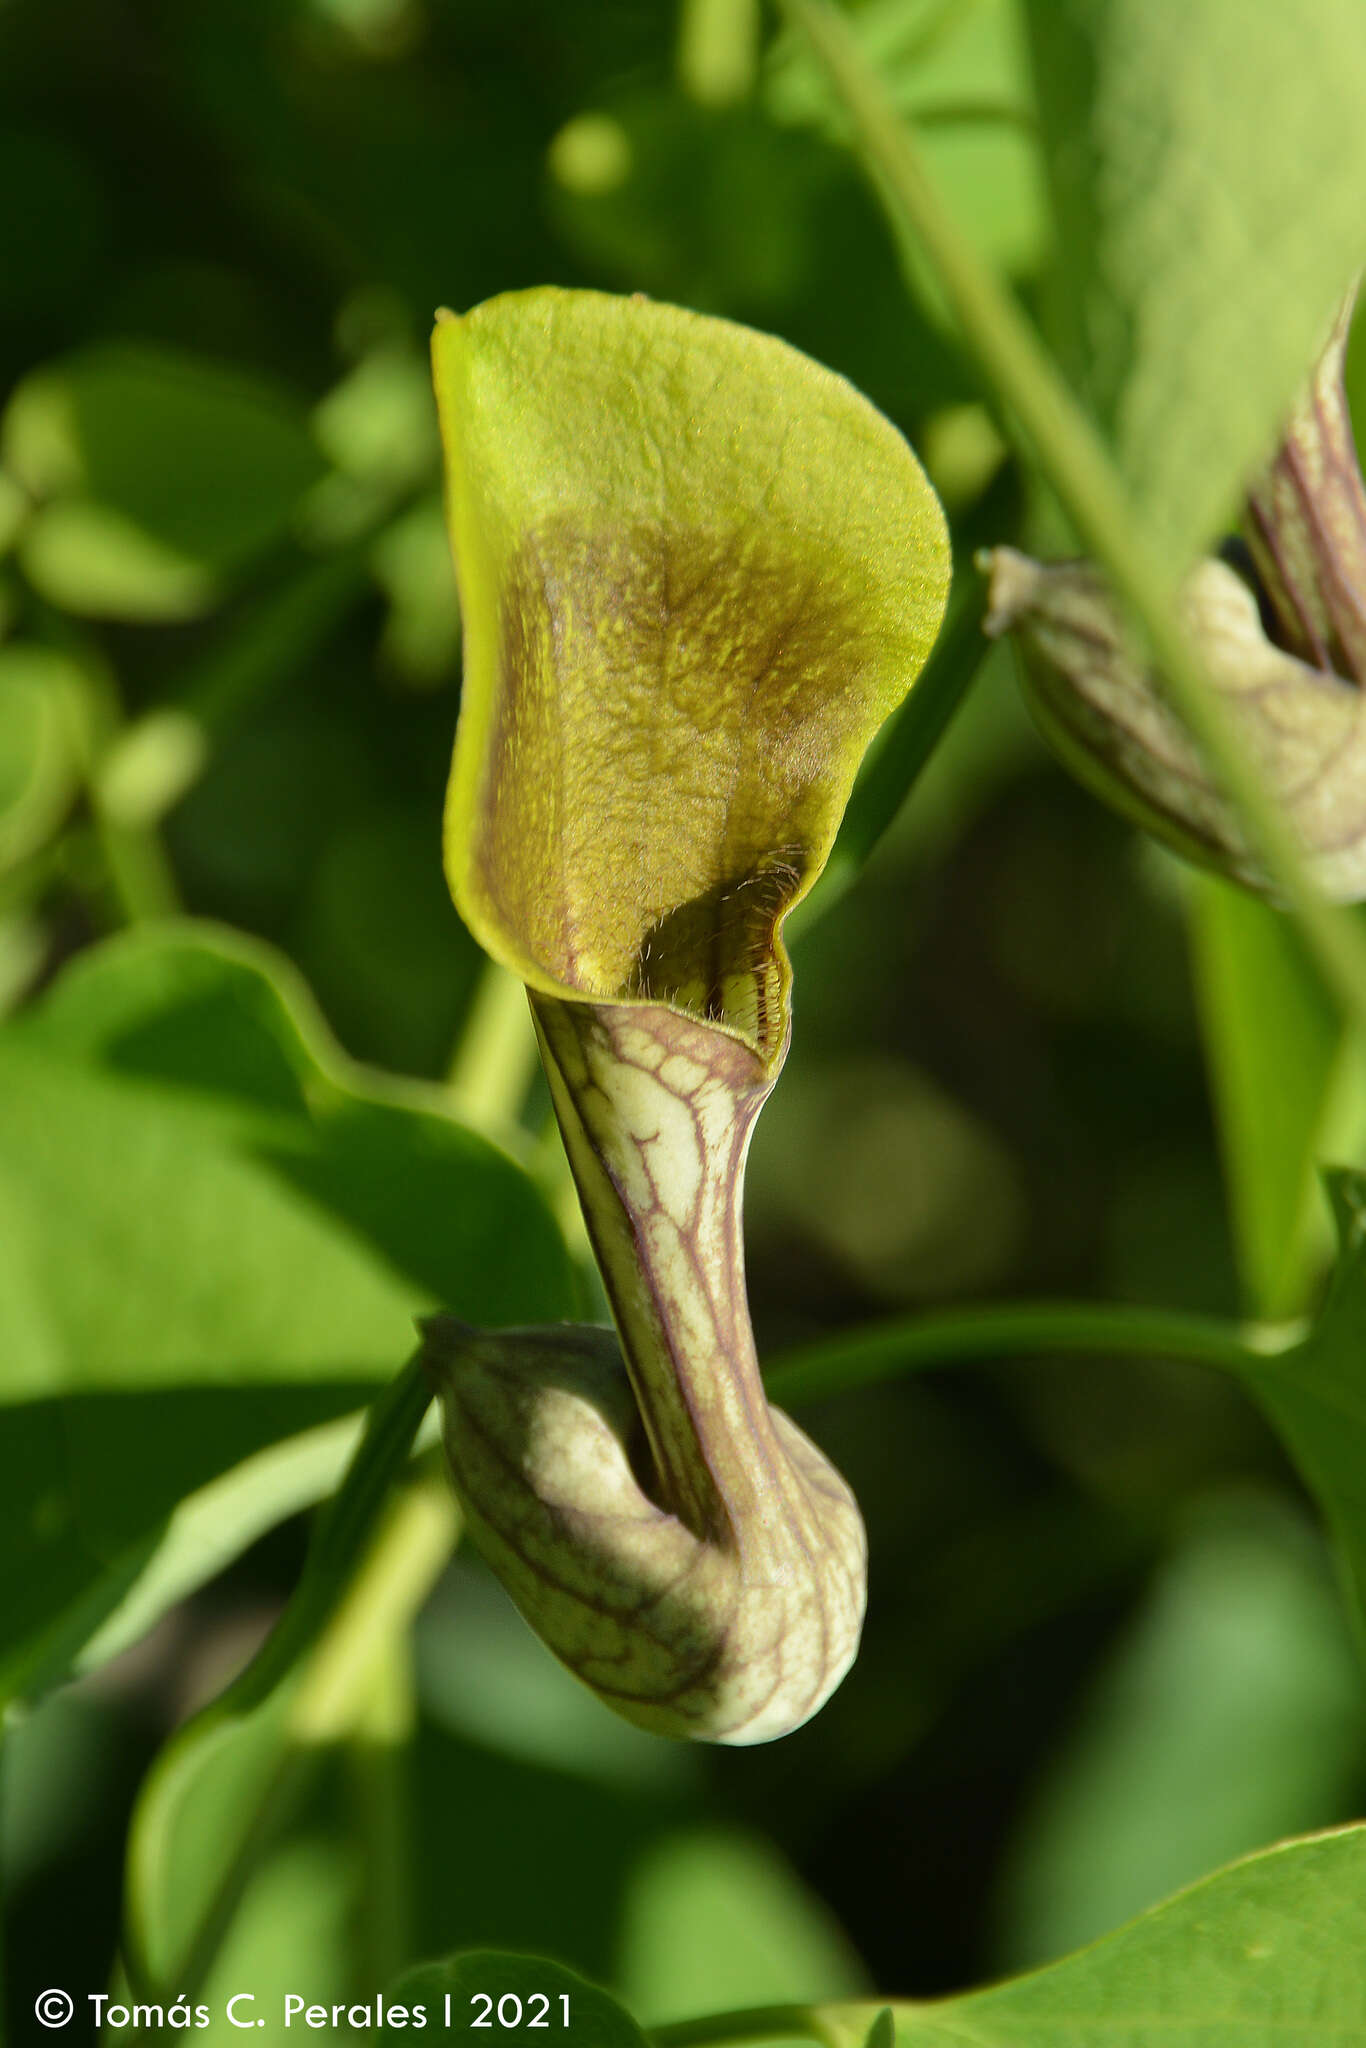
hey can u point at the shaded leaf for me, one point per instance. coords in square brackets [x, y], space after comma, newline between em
[245, 1203]
[213, 1525]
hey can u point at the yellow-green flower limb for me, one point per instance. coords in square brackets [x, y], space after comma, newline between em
[697, 572]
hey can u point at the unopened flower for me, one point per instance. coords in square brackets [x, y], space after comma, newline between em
[1296, 695]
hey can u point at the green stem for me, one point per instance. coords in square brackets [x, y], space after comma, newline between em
[138, 870]
[1053, 430]
[335, 1698]
[343, 1601]
[379, 1782]
[1018, 1330]
[495, 1060]
[344, 1534]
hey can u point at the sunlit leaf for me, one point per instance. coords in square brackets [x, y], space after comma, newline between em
[1208, 180]
[199, 1196]
[1266, 1952]
[92, 560]
[962, 74]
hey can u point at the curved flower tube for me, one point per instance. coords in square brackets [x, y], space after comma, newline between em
[696, 572]
[1295, 684]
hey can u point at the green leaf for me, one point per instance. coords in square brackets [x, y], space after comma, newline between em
[96, 562]
[213, 1525]
[962, 74]
[90, 1486]
[203, 460]
[205, 1191]
[295, 1927]
[1284, 1077]
[199, 1195]
[1265, 1953]
[697, 571]
[1208, 179]
[1167, 1775]
[1316, 1393]
[718, 1908]
[474, 1982]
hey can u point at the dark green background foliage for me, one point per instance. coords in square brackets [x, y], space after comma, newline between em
[1105, 1651]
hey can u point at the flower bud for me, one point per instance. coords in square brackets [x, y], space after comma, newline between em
[1296, 701]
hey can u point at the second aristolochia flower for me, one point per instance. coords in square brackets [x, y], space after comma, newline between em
[696, 571]
[1296, 696]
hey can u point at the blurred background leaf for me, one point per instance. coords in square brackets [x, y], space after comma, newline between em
[1229, 1715]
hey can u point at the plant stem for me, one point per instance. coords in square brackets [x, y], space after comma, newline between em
[1019, 1330]
[137, 868]
[363, 1581]
[1041, 414]
[382, 1796]
[495, 1060]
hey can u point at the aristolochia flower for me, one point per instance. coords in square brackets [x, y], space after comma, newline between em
[696, 573]
[1296, 696]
